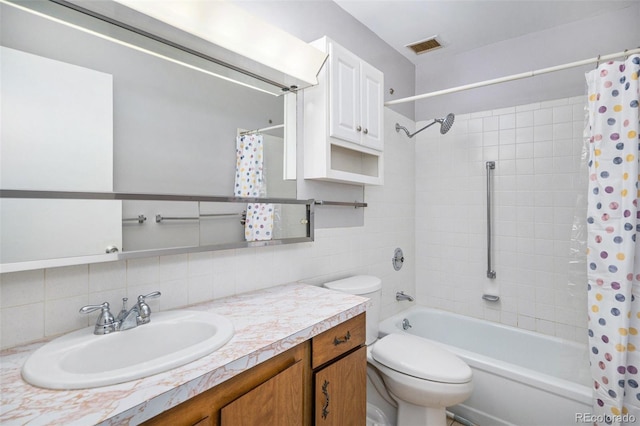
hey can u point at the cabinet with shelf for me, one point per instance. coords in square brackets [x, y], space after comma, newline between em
[343, 120]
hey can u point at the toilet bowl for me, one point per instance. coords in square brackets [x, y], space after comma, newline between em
[420, 377]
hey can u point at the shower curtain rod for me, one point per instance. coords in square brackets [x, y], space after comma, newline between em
[528, 74]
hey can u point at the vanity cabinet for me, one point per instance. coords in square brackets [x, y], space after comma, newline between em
[321, 381]
[343, 119]
[273, 392]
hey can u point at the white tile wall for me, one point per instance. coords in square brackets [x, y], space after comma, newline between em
[432, 206]
[537, 150]
[42, 303]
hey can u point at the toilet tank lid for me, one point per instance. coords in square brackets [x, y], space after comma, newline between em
[420, 358]
[358, 284]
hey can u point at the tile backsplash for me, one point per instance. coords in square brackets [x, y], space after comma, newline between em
[45, 302]
[538, 184]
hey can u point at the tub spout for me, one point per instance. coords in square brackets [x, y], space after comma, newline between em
[401, 296]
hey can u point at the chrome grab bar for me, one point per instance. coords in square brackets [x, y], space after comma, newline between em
[490, 165]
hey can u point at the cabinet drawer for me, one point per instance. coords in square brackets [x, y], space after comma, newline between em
[338, 340]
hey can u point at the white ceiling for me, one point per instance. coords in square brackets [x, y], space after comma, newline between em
[463, 25]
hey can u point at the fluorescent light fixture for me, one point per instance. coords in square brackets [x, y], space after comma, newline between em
[185, 60]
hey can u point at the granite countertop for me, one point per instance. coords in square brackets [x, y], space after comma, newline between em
[267, 322]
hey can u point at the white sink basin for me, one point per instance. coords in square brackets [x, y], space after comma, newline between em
[81, 359]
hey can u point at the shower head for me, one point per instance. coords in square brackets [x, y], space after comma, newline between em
[445, 125]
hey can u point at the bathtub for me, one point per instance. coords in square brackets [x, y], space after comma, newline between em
[520, 377]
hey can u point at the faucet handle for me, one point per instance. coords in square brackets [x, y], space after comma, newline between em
[153, 295]
[144, 311]
[106, 322]
[91, 308]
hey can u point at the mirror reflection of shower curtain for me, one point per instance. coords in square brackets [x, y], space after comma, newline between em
[613, 259]
[250, 183]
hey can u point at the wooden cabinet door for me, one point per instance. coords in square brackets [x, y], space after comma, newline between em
[278, 401]
[341, 391]
[284, 380]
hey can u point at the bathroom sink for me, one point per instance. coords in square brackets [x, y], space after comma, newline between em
[82, 359]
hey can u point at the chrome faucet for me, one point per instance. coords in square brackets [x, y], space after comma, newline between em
[139, 314]
[401, 296]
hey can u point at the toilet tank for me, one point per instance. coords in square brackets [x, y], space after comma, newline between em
[366, 286]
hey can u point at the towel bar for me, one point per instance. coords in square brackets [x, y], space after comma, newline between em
[140, 219]
[222, 215]
[160, 218]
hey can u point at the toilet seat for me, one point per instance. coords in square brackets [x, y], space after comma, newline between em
[419, 358]
[424, 393]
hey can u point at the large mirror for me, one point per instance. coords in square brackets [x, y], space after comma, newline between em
[110, 111]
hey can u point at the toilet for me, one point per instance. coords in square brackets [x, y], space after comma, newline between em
[419, 376]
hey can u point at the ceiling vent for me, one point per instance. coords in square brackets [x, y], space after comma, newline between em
[424, 46]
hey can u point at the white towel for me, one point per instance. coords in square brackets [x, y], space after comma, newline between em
[250, 182]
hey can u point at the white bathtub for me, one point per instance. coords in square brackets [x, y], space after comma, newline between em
[520, 377]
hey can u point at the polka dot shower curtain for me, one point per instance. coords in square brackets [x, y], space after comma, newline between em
[613, 257]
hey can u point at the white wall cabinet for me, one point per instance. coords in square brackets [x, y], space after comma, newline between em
[41, 229]
[355, 112]
[56, 134]
[343, 120]
[57, 125]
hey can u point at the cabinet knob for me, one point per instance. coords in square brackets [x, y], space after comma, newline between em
[359, 128]
[366, 131]
[111, 249]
